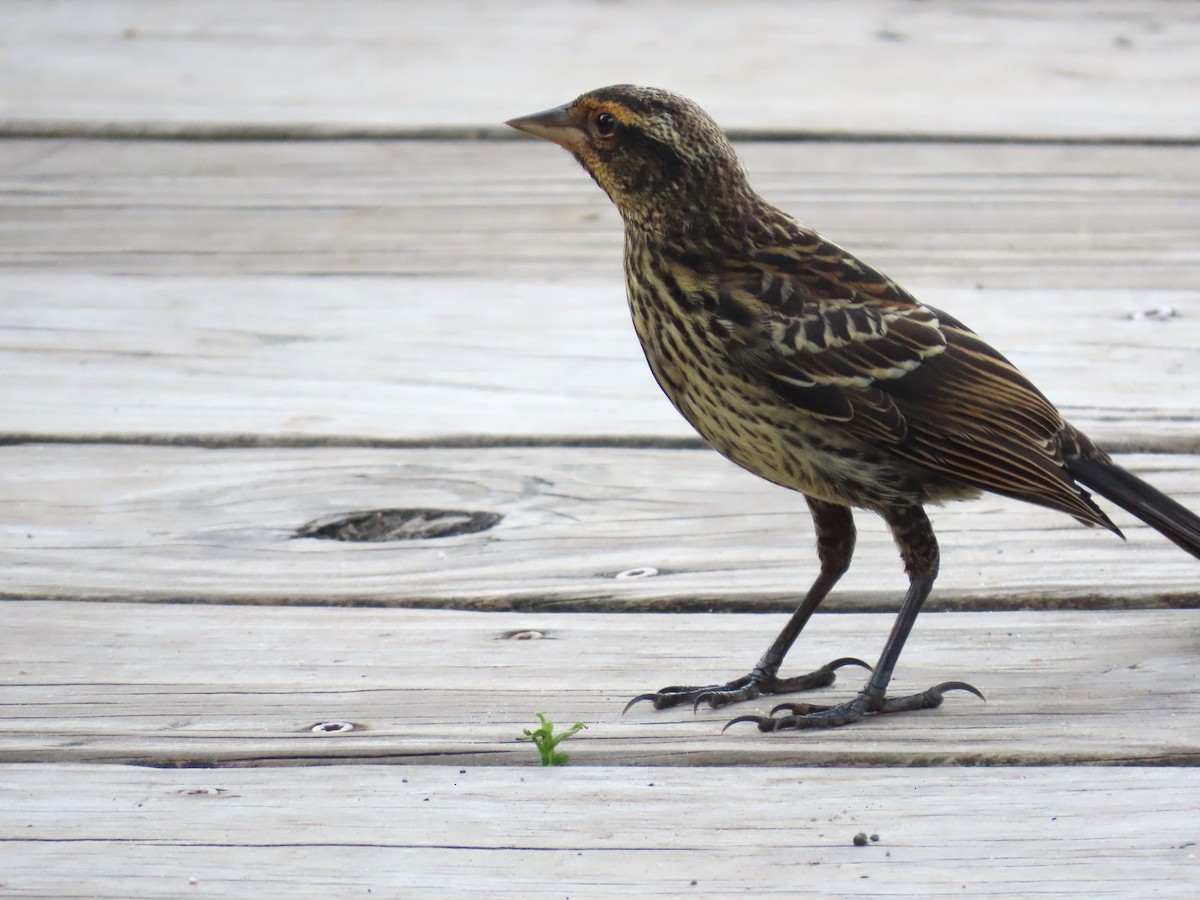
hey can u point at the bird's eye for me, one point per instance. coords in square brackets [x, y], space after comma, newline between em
[606, 124]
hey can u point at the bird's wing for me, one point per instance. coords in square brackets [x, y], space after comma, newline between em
[841, 342]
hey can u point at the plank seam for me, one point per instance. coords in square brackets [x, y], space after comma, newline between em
[295, 132]
[1165, 445]
[880, 602]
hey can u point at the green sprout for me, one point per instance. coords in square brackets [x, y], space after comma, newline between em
[546, 740]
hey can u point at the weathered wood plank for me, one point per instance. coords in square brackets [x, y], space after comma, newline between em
[168, 523]
[507, 832]
[231, 686]
[273, 359]
[1016, 67]
[959, 215]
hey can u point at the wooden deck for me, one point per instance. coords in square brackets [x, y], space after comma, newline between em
[264, 265]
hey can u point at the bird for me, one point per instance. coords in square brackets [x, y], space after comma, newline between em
[811, 369]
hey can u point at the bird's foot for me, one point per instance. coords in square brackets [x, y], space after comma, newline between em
[809, 715]
[756, 684]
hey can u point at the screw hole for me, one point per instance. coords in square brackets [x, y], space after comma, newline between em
[640, 572]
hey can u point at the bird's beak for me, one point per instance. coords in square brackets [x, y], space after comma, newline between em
[554, 125]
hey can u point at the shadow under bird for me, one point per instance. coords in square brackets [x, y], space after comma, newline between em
[814, 371]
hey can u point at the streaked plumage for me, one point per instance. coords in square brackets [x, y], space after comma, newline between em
[811, 369]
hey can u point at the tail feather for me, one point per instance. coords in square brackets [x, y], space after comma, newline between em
[1152, 506]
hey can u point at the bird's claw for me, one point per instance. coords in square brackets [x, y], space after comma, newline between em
[796, 709]
[804, 716]
[748, 687]
[757, 720]
[652, 697]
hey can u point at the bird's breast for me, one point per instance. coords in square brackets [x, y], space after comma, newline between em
[734, 411]
[736, 415]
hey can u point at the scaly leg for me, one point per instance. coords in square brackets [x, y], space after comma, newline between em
[835, 546]
[918, 547]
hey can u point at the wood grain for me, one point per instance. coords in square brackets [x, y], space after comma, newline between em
[277, 360]
[195, 525]
[1011, 68]
[930, 215]
[211, 338]
[122, 833]
[244, 686]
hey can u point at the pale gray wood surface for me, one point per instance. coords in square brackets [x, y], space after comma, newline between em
[215, 685]
[469, 301]
[1019, 67]
[110, 832]
[189, 524]
[930, 215]
[343, 359]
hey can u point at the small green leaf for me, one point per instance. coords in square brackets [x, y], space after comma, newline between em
[546, 740]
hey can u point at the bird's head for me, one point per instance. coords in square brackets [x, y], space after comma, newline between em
[660, 158]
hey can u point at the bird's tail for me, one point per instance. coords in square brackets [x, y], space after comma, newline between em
[1152, 506]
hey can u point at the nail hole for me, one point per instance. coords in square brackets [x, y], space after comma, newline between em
[332, 727]
[398, 525]
[640, 572]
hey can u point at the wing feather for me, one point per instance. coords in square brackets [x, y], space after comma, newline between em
[841, 342]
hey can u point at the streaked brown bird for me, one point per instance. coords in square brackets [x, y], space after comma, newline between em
[811, 369]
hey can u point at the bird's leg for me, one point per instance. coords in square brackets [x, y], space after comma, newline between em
[918, 548]
[835, 546]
